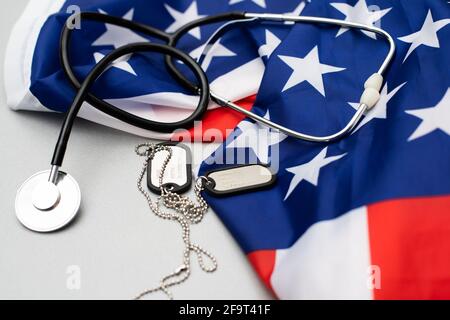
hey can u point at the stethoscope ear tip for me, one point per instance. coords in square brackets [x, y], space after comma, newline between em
[43, 206]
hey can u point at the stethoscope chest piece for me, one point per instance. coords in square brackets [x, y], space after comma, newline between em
[42, 206]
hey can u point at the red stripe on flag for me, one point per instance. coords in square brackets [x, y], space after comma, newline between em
[264, 263]
[410, 243]
[221, 119]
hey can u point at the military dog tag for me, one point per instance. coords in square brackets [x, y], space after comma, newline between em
[178, 174]
[239, 179]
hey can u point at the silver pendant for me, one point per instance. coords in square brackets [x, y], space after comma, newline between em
[239, 179]
[178, 173]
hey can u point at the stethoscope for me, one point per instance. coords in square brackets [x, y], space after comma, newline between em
[50, 200]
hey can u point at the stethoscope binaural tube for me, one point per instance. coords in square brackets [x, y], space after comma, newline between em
[370, 94]
[177, 35]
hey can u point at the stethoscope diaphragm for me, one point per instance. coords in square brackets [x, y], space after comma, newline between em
[42, 206]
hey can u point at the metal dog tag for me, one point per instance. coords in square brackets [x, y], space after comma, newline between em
[178, 174]
[239, 179]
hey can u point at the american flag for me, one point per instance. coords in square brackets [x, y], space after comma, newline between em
[367, 217]
[36, 82]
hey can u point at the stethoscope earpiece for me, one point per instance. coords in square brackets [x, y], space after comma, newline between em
[44, 206]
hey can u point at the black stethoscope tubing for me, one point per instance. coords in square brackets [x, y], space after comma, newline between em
[171, 39]
[369, 97]
[175, 38]
[44, 190]
[169, 50]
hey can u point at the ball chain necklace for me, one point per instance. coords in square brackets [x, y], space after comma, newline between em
[185, 212]
[227, 181]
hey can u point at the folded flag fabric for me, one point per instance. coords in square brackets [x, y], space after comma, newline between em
[140, 83]
[367, 217]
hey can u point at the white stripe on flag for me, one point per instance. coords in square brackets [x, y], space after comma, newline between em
[239, 83]
[235, 85]
[330, 261]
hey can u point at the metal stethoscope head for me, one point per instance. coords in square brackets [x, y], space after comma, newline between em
[50, 200]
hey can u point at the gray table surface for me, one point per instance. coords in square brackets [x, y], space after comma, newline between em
[119, 247]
